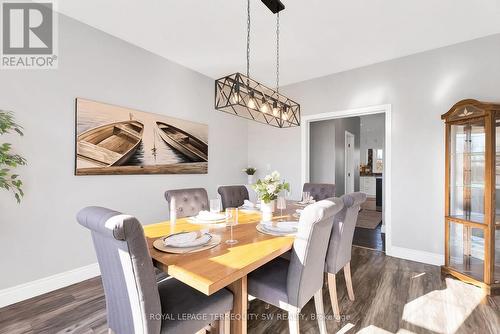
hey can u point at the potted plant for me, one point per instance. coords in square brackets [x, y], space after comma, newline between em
[268, 189]
[8, 160]
[250, 171]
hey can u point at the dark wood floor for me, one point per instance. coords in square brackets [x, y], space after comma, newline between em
[368, 238]
[392, 296]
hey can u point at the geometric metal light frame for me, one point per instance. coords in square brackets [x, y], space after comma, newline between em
[241, 96]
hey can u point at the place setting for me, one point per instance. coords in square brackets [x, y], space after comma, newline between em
[278, 228]
[249, 206]
[187, 242]
[212, 217]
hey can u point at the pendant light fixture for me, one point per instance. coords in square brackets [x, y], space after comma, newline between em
[242, 96]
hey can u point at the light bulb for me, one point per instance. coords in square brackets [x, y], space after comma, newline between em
[236, 97]
[276, 110]
[264, 106]
[284, 114]
[251, 101]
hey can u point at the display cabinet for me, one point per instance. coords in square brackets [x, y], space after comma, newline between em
[472, 203]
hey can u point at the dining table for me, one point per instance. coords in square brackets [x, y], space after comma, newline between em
[225, 265]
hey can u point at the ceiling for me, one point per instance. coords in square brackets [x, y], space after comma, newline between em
[318, 37]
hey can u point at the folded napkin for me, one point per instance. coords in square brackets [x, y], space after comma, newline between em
[281, 227]
[207, 215]
[248, 204]
[187, 239]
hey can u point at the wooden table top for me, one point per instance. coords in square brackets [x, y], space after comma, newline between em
[211, 270]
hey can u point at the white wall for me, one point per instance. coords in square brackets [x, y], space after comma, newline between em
[372, 135]
[420, 88]
[41, 237]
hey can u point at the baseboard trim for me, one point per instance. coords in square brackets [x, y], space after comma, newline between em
[32, 289]
[417, 255]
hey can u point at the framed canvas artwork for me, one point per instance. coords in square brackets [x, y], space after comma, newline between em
[118, 140]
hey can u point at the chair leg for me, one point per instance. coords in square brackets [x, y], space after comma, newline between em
[332, 287]
[293, 321]
[320, 311]
[348, 280]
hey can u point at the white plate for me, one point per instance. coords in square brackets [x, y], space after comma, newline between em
[261, 228]
[193, 220]
[210, 216]
[281, 227]
[248, 208]
[187, 239]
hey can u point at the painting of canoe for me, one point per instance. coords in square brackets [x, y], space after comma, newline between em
[188, 145]
[110, 145]
[114, 140]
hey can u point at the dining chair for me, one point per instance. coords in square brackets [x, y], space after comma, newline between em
[339, 248]
[187, 202]
[233, 196]
[320, 191]
[289, 285]
[135, 301]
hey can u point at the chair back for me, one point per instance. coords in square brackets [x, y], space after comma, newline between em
[305, 273]
[127, 272]
[344, 223]
[320, 191]
[186, 202]
[233, 196]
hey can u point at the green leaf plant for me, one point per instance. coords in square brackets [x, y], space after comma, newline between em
[8, 160]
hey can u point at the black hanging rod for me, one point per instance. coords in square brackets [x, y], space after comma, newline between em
[274, 6]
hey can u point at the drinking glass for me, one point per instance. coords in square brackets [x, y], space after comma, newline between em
[215, 205]
[231, 220]
[306, 195]
[281, 204]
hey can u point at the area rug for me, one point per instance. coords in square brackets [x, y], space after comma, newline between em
[369, 219]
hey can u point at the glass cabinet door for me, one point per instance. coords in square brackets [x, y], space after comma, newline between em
[496, 246]
[467, 250]
[467, 171]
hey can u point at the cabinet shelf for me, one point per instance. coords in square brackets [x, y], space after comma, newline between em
[472, 239]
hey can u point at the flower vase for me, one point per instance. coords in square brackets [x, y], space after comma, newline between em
[250, 179]
[267, 210]
[267, 207]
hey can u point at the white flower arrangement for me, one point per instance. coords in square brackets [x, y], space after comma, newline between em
[269, 188]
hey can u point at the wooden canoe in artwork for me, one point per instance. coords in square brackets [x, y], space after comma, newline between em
[109, 145]
[187, 144]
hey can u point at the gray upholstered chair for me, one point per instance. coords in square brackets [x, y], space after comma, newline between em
[233, 196]
[135, 302]
[187, 202]
[289, 285]
[339, 248]
[320, 191]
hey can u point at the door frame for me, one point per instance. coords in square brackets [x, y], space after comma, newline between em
[348, 134]
[305, 155]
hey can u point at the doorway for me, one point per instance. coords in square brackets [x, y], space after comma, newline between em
[349, 163]
[381, 234]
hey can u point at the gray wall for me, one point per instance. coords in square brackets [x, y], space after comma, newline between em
[327, 151]
[420, 88]
[372, 135]
[342, 125]
[40, 237]
[322, 152]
